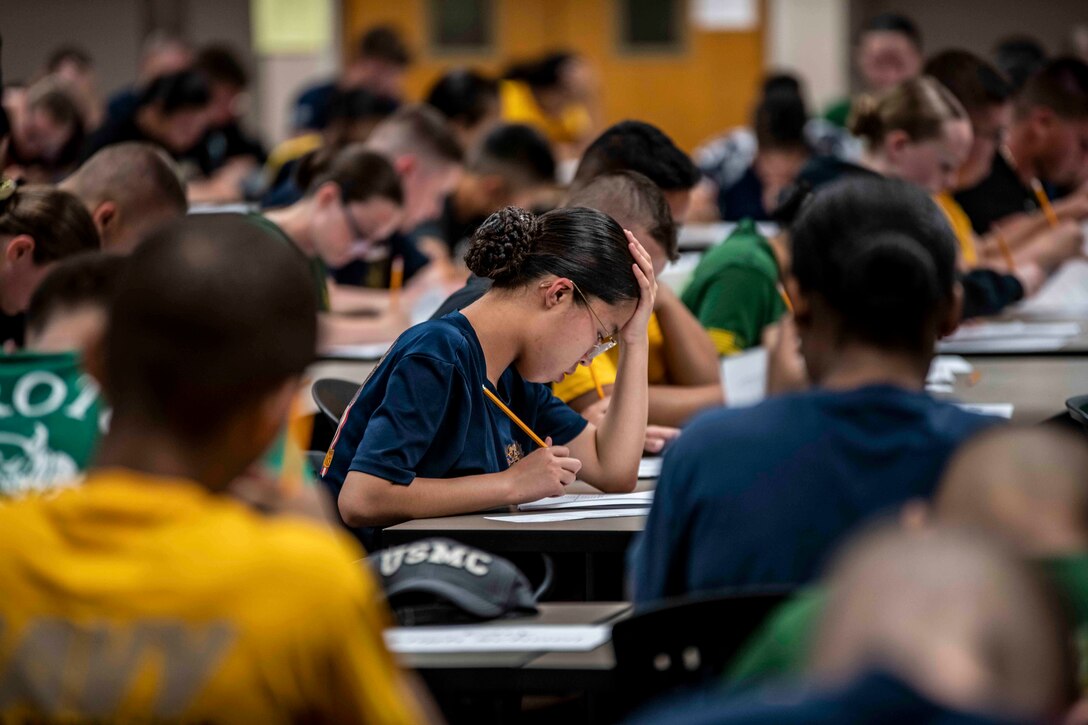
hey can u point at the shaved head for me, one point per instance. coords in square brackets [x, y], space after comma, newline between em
[955, 614]
[129, 188]
[1028, 486]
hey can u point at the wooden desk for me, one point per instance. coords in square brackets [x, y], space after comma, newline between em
[1037, 386]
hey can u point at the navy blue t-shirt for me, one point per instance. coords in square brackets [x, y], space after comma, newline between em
[875, 698]
[761, 496]
[423, 412]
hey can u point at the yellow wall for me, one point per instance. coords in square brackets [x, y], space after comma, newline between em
[705, 88]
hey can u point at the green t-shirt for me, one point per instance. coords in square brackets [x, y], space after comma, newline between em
[734, 290]
[318, 271]
[838, 112]
[50, 420]
[781, 645]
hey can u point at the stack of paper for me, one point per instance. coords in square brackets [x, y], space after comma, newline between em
[1010, 337]
[649, 467]
[590, 500]
[571, 515]
[487, 638]
[999, 410]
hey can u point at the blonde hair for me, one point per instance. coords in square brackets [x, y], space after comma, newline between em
[919, 107]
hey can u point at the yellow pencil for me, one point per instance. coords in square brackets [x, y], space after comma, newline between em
[596, 381]
[785, 298]
[517, 421]
[1044, 202]
[396, 280]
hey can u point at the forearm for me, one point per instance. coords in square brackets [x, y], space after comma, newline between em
[621, 435]
[367, 500]
[674, 405]
[689, 352]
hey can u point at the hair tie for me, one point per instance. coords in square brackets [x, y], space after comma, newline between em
[7, 191]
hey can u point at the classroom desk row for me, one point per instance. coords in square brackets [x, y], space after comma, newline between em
[527, 672]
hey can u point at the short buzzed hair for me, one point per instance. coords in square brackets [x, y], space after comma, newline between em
[1026, 485]
[416, 129]
[1061, 85]
[906, 600]
[631, 199]
[139, 177]
[198, 332]
[517, 152]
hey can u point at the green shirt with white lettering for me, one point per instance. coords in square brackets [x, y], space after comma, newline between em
[50, 421]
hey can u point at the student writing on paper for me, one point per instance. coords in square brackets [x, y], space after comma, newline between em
[352, 198]
[1031, 253]
[873, 286]
[1047, 142]
[423, 439]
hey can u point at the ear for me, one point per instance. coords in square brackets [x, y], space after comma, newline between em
[894, 143]
[951, 319]
[494, 185]
[104, 215]
[405, 164]
[557, 292]
[20, 248]
[1042, 120]
[326, 194]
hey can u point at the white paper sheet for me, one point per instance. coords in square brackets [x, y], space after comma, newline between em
[570, 516]
[1065, 293]
[1009, 344]
[484, 638]
[999, 410]
[357, 352]
[744, 377]
[940, 388]
[590, 500]
[1015, 329]
[945, 368]
[649, 467]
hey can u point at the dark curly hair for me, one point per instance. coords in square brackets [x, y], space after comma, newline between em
[514, 247]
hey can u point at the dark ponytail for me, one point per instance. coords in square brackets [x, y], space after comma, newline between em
[360, 174]
[514, 248]
[881, 256]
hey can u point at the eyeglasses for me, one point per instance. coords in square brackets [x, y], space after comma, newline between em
[604, 342]
[353, 226]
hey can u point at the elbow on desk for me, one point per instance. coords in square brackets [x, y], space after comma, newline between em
[617, 484]
[363, 505]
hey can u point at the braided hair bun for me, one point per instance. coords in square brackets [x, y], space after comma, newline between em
[501, 245]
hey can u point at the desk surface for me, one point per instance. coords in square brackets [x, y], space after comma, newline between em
[1037, 386]
[526, 672]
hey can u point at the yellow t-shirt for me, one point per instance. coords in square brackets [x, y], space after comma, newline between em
[133, 598]
[519, 106]
[580, 381]
[961, 227]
